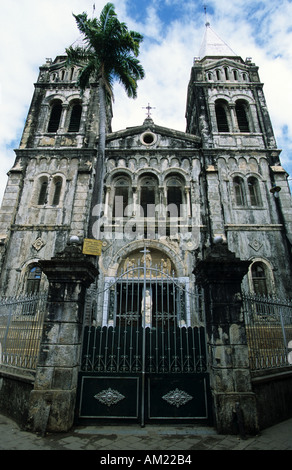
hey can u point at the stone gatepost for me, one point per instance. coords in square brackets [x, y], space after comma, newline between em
[52, 401]
[234, 403]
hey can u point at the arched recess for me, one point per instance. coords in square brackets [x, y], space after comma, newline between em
[175, 197]
[155, 259]
[115, 173]
[55, 116]
[148, 196]
[75, 117]
[247, 189]
[120, 257]
[222, 115]
[135, 275]
[32, 280]
[57, 189]
[242, 115]
[40, 190]
[239, 191]
[118, 184]
[122, 196]
[261, 277]
[48, 190]
[43, 190]
[254, 191]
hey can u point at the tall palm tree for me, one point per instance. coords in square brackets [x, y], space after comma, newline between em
[109, 53]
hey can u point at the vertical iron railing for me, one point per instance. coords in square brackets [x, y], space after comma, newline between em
[269, 331]
[126, 343]
[21, 326]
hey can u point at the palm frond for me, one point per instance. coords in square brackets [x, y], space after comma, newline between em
[110, 52]
[77, 56]
[85, 74]
[108, 13]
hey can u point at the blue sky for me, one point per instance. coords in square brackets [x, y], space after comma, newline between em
[32, 30]
[167, 11]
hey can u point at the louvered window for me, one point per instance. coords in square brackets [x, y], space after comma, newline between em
[241, 115]
[57, 191]
[121, 199]
[174, 197]
[221, 117]
[55, 118]
[75, 118]
[43, 193]
[254, 191]
[239, 191]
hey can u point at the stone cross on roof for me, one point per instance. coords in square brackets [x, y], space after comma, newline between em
[148, 110]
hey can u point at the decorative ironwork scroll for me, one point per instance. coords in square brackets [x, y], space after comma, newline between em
[177, 397]
[109, 397]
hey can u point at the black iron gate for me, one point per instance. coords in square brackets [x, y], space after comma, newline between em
[145, 362]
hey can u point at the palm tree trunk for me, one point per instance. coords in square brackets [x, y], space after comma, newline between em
[97, 191]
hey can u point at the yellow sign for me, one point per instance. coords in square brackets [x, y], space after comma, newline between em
[92, 247]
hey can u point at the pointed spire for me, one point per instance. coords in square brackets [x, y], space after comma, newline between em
[214, 46]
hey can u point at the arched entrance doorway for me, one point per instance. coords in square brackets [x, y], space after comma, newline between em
[146, 360]
[146, 291]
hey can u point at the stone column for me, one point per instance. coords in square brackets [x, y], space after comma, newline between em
[106, 204]
[235, 127]
[234, 405]
[52, 402]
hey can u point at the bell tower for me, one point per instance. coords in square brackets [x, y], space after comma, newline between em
[47, 197]
[226, 102]
[59, 116]
[240, 160]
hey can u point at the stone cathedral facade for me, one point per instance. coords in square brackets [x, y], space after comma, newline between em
[153, 328]
[174, 192]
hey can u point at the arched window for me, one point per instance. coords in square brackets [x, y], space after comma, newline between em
[241, 114]
[259, 278]
[226, 73]
[33, 280]
[75, 118]
[43, 191]
[148, 191]
[55, 117]
[254, 191]
[221, 116]
[121, 198]
[57, 187]
[218, 75]
[174, 197]
[238, 185]
[235, 74]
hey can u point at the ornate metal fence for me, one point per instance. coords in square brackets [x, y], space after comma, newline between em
[144, 358]
[269, 331]
[21, 326]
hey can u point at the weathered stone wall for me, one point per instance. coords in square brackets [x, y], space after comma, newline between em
[52, 401]
[36, 231]
[220, 274]
[273, 397]
[15, 389]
